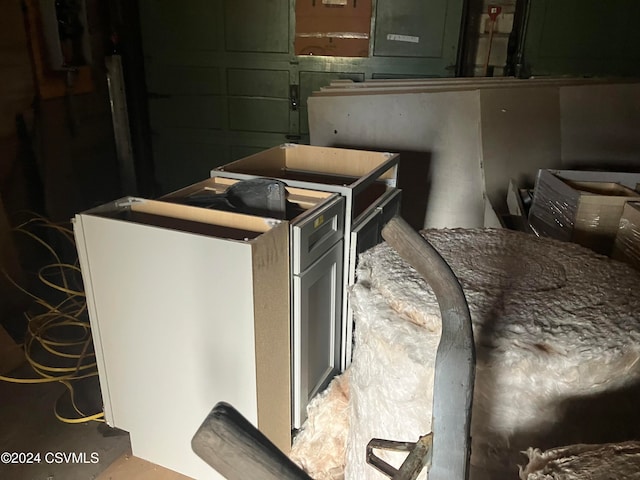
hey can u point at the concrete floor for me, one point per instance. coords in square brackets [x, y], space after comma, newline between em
[29, 425]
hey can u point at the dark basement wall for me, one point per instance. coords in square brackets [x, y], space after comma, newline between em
[71, 137]
[16, 94]
[75, 136]
[63, 160]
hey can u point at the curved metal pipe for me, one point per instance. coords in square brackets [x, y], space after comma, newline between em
[455, 359]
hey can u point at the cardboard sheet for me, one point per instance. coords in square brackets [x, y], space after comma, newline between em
[338, 28]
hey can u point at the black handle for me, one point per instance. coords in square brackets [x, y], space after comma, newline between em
[294, 97]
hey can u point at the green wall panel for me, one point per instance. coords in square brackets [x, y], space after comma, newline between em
[196, 161]
[187, 112]
[259, 114]
[583, 37]
[259, 83]
[182, 80]
[190, 25]
[252, 26]
[218, 72]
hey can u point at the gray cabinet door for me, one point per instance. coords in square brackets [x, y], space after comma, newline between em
[317, 301]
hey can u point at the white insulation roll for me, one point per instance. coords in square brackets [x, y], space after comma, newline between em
[557, 333]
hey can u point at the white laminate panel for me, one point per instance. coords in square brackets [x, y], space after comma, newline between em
[95, 326]
[520, 134]
[442, 85]
[445, 125]
[176, 332]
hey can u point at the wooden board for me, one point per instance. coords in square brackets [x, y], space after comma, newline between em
[367, 88]
[333, 28]
[271, 278]
[477, 80]
[220, 185]
[352, 163]
[379, 82]
[331, 161]
[203, 215]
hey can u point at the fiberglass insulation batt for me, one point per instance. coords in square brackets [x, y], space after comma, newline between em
[557, 333]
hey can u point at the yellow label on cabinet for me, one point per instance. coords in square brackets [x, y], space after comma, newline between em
[318, 221]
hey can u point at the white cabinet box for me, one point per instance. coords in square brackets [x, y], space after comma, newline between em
[316, 248]
[191, 306]
[367, 180]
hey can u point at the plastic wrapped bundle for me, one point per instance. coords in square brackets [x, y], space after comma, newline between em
[587, 213]
[627, 244]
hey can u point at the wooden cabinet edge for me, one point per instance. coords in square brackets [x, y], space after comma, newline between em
[271, 277]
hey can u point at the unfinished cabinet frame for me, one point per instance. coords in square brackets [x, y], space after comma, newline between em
[365, 179]
[316, 288]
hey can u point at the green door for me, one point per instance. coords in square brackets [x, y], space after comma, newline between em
[223, 80]
[582, 38]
